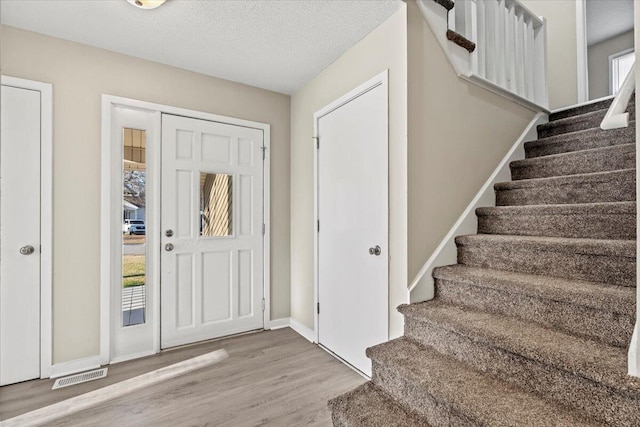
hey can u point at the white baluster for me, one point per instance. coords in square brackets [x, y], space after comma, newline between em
[501, 75]
[541, 86]
[510, 47]
[481, 41]
[490, 14]
[529, 60]
[520, 35]
[471, 26]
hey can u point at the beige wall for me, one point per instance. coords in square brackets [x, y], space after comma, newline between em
[384, 48]
[80, 75]
[458, 133]
[561, 49]
[598, 56]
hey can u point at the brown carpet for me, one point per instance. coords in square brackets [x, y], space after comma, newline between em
[531, 327]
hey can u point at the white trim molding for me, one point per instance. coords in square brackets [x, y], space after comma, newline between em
[380, 79]
[422, 287]
[582, 51]
[302, 330]
[107, 250]
[46, 215]
[75, 366]
[272, 325]
[617, 115]
[634, 346]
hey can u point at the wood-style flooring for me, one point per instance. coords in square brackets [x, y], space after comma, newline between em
[274, 378]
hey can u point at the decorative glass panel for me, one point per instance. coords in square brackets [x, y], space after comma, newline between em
[216, 204]
[134, 266]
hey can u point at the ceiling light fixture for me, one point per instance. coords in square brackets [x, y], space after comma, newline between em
[147, 4]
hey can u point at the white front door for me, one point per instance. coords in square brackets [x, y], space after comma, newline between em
[212, 230]
[353, 250]
[19, 235]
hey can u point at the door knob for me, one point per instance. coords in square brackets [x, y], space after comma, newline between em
[168, 247]
[375, 251]
[27, 250]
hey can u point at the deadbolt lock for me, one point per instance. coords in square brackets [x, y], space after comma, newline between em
[168, 233]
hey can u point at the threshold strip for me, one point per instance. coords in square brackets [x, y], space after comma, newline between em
[79, 403]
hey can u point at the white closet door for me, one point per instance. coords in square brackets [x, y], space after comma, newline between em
[353, 250]
[19, 235]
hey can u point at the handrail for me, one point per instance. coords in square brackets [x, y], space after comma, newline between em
[510, 46]
[617, 115]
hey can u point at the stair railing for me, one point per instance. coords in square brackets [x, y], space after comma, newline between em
[617, 115]
[511, 47]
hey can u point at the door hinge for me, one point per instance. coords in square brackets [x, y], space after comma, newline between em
[264, 152]
[264, 229]
[318, 308]
[317, 138]
[318, 226]
[263, 304]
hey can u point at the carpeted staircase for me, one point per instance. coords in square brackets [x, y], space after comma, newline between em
[531, 327]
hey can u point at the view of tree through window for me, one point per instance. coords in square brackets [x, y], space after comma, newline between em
[134, 182]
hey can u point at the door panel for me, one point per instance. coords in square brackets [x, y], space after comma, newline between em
[133, 314]
[353, 214]
[19, 227]
[212, 275]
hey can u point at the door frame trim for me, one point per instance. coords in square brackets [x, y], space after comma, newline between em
[582, 71]
[381, 79]
[109, 101]
[46, 214]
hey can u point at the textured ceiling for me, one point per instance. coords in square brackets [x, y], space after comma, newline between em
[272, 44]
[608, 18]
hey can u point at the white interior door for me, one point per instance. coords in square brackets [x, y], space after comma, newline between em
[212, 230]
[19, 235]
[353, 221]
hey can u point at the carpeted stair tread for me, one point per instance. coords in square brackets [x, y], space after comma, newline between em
[598, 260]
[451, 393]
[588, 359]
[622, 248]
[575, 123]
[602, 159]
[582, 109]
[367, 405]
[616, 220]
[461, 40]
[583, 375]
[601, 296]
[609, 186]
[589, 309]
[580, 140]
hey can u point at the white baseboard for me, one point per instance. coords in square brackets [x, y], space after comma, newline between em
[422, 286]
[634, 355]
[75, 366]
[132, 356]
[285, 322]
[298, 327]
[301, 329]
